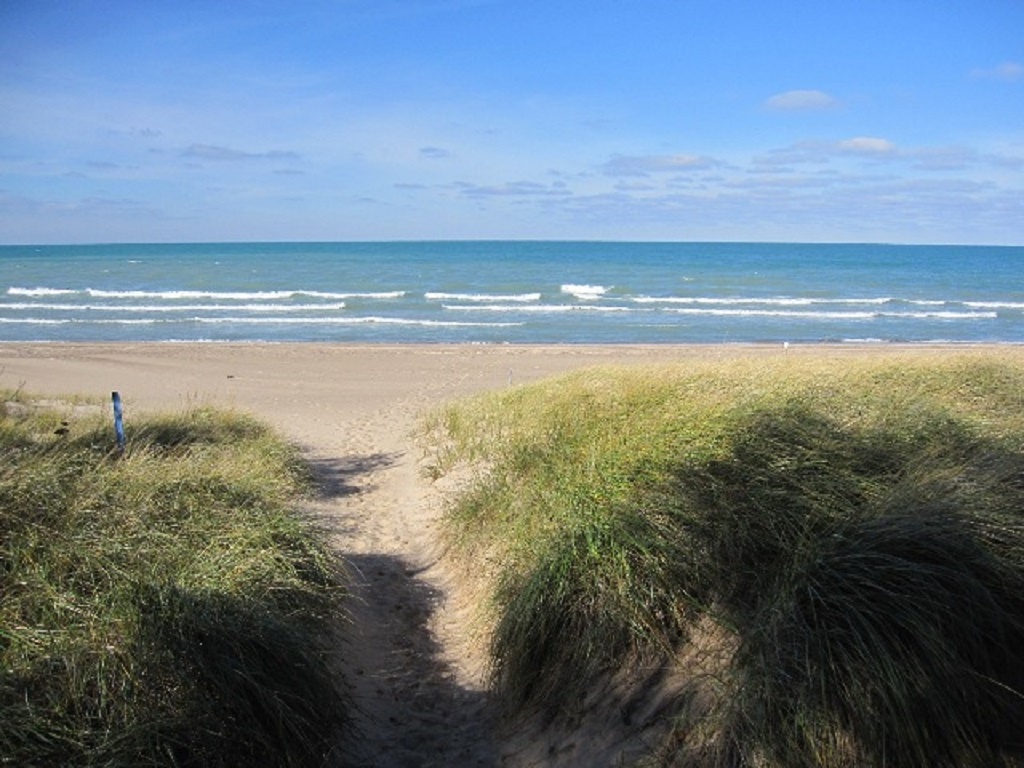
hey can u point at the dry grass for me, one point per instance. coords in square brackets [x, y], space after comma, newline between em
[854, 528]
[164, 607]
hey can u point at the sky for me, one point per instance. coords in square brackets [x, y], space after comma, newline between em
[695, 120]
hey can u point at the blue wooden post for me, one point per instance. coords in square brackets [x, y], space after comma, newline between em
[118, 421]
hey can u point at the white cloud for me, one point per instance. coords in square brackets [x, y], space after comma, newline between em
[948, 158]
[214, 152]
[800, 101]
[1008, 70]
[513, 189]
[643, 165]
[635, 186]
[816, 151]
[434, 153]
[866, 145]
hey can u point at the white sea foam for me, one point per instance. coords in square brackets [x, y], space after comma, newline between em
[430, 323]
[995, 304]
[819, 315]
[254, 321]
[175, 295]
[540, 308]
[15, 291]
[781, 301]
[943, 315]
[809, 314]
[481, 297]
[585, 292]
[370, 295]
[709, 311]
[342, 321]
[77, 321]
[33, 321]
[215, 295]
[175, 307]
[725, 301]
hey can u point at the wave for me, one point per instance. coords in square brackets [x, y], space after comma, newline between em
[13, 291]
[335, 321]
[782, 301]
[216, 295]
[481, 297]
[354, 295]
[729, 312]
[585, 292]
[709, 300]
[32, 321]
[943, 315]
[536, 308]
[434, 323]
[819, 315]
[256, 321]
[816, 315]
[995, 304]
[77, 321]
[175, 307]
[787, 301]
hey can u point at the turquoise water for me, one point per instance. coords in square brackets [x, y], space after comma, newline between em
[515, 292]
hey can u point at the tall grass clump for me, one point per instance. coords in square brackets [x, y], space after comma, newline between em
[167, 606]
[825, 554]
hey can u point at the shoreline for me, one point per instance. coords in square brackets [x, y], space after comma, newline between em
[305, 387]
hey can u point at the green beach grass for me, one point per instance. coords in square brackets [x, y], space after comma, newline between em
[824, 554]
[167, 606]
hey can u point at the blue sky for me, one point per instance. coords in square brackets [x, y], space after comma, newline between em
[895, 121]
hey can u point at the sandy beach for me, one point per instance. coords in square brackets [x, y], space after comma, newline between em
[418, 675]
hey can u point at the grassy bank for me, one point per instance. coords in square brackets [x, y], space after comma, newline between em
[825, 556]
[164, 607]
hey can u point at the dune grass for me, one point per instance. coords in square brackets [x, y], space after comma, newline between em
[841, 541]
[167, 606]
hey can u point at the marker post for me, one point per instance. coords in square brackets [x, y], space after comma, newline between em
[118, 421]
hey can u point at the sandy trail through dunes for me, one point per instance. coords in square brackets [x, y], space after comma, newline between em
[417, 679]
[417, 673]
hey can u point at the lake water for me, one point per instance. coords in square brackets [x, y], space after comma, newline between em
[512, 292]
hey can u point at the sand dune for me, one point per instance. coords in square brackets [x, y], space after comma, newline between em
[417, 671]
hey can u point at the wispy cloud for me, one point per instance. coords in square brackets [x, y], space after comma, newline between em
[85, 206]
[645, 165]
[949, 158]
[514, 189]
[842, 206]
[1008, 70]
[1011, 162]
[226, 154]
[866, 145]
[816, 151]
[800, 101]
[875, 150]
[434, 153]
